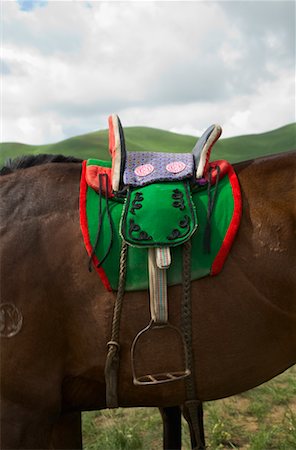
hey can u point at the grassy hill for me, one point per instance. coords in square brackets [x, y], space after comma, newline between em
[95, 145]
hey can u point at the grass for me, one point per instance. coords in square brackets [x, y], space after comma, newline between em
[263, 418]
[95, 144]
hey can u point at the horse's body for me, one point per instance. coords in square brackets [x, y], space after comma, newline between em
[244, 320]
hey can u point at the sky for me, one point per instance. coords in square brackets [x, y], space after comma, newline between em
[175, 65]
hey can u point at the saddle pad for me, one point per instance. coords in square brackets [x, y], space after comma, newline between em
[143, 168]
[158, 215]
[224, 225]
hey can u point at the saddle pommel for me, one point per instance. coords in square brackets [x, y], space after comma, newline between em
[203, 148]
[118, 152]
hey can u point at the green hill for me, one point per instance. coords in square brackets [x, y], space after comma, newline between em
[95, 145]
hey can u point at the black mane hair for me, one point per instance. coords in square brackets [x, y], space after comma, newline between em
[24, 162]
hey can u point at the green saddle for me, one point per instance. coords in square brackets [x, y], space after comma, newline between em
[159, 215]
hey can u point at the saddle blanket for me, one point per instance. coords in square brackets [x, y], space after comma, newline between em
[225, 221]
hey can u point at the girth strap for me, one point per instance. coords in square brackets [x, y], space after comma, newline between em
[113, 356]
[192, 404]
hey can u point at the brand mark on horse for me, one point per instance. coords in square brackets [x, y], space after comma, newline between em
[11, 320]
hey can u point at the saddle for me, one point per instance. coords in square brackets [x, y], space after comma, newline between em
[156, 188]
[150, 197]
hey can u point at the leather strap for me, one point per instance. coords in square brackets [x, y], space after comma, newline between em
[192, 403]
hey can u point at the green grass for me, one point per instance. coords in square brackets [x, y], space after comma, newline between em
[95, 144]
[251, 146]
[263, 418]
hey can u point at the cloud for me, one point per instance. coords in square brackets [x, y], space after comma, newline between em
[29, 5]
[173, 65]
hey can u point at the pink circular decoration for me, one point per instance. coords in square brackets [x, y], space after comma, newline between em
[175, 167]
[144, 170]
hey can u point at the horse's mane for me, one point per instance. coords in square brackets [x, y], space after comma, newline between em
[24, 162]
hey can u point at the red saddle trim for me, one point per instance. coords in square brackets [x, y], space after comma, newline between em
[111, 136]
[84, 226]
[92, 178]
[227, 168]
[224, 169]
[115, 151]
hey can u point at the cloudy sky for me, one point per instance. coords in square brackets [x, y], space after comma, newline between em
[174, 65]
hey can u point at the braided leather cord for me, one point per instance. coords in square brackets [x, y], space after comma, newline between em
[113, 356]
[192, 404]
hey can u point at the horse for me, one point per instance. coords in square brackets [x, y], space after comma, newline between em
[56, 316]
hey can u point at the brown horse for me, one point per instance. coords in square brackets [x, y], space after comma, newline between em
[56, 316]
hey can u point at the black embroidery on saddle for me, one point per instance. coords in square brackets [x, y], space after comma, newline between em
[158, 214]
[137, 202]
[184, 224]
[179, 199]
[134, 228]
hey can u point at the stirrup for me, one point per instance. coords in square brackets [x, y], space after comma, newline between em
[150, 347]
